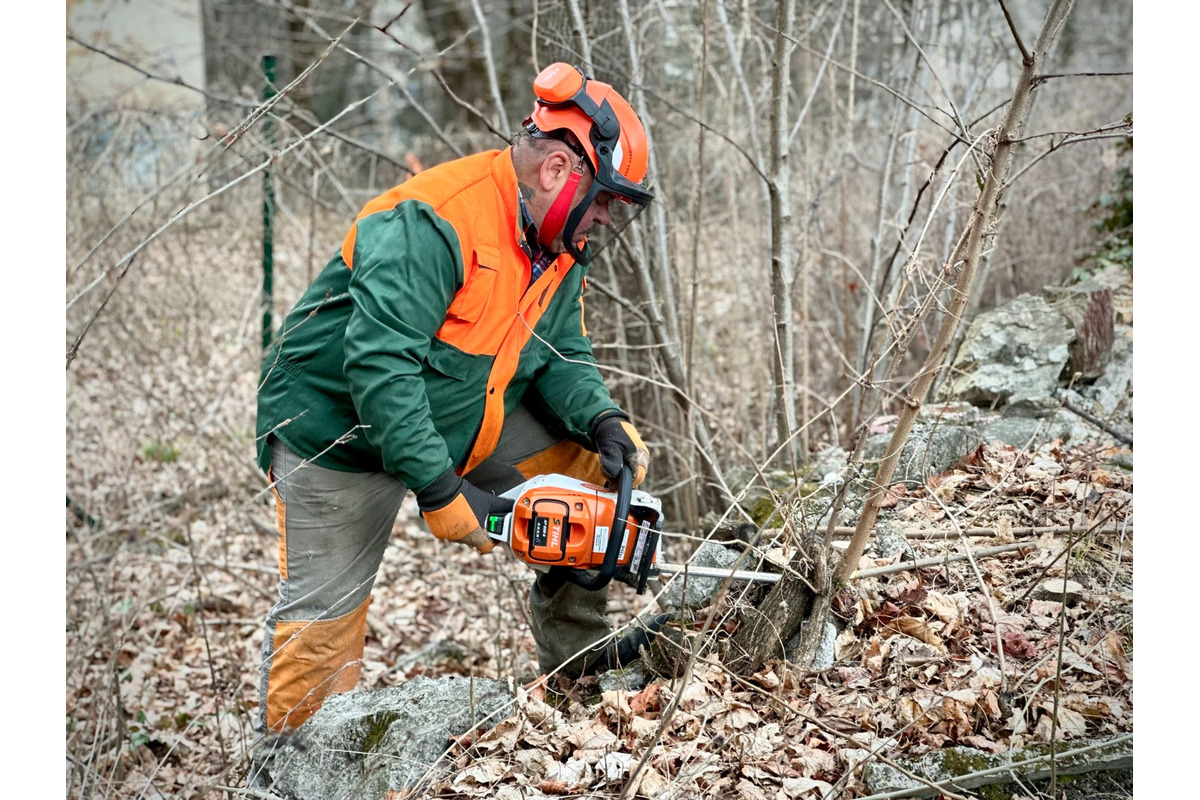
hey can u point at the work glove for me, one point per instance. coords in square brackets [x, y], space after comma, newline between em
[456, 510]
[618, 442]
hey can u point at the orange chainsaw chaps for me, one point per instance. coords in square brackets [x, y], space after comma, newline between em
[553, 526]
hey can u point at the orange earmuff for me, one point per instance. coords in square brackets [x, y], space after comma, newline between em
[557, 83]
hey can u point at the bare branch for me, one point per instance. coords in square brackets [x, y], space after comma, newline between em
[1012, 26]
[467, 106]
[489, 65]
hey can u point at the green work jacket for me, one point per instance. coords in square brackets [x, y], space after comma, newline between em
[418, 337]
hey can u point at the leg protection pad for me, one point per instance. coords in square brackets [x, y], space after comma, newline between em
[310, 661]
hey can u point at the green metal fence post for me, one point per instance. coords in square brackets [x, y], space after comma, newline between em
[268, 210]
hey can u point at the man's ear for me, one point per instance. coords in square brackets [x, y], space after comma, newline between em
[554, 171]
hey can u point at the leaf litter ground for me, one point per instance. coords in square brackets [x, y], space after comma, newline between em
[164, 630]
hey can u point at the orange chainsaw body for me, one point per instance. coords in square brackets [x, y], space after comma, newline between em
[560, 521]
[559, 526]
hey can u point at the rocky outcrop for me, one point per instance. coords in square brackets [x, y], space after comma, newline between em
[1058, 365]
[1011, 356]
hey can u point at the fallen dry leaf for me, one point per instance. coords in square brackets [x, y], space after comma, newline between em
[1113, 648]
[810, 761]
[983, 743]
[645, 700]
[874, 654]
[1071, 724]
[943, 607]
[740, 716]
[893, 495]
[651, 784]
[644, 731]
[1004, 534]
[846, 644]
[572, 772]
[748, 791]
[805, 788]
[919, 630]
[1016, 643]
[589, 734]
[854, 677]
[1044, 613]
[613, 766]
[1095, 708]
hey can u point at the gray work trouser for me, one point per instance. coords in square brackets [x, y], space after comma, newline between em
[333, 529]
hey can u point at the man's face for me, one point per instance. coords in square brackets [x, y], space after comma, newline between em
[597, 214]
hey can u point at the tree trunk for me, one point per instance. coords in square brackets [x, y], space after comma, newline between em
[781, 219]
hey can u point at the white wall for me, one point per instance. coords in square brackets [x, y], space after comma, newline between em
[162, 37]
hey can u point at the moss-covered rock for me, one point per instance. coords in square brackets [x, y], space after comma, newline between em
[960, 768]
[363, 743]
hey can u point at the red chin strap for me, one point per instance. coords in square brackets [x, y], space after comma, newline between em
[556, 217]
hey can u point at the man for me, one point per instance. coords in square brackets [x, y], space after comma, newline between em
[443, 350]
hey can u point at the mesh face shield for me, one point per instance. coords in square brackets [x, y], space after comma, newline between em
[619, 211]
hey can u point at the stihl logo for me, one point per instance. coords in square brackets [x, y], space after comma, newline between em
[555, 532]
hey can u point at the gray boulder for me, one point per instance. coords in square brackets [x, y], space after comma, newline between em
[888, 541]
[630, 679]
[689, 591]
[823, 658]
[1029, 432]
[942, 435]
[1046, 367]
[1012, 355]
[363, 743]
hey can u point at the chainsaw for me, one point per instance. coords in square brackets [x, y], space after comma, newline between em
[579, 527]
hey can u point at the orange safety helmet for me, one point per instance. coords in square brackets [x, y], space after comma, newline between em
[610, 134]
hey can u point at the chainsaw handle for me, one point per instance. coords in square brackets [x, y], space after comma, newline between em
[616, 536]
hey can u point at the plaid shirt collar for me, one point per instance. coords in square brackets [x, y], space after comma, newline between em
[539, 257]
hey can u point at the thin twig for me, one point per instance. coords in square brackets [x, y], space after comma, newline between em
[1099, 423]
[489, 64]
[1055, 530]
[467, 106]
[1054, 146]
[1051, 75]
[935, 561]
[1012, 26]
[246, 791]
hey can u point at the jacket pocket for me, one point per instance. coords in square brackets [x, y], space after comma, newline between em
[447, 360]
[471, 300]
